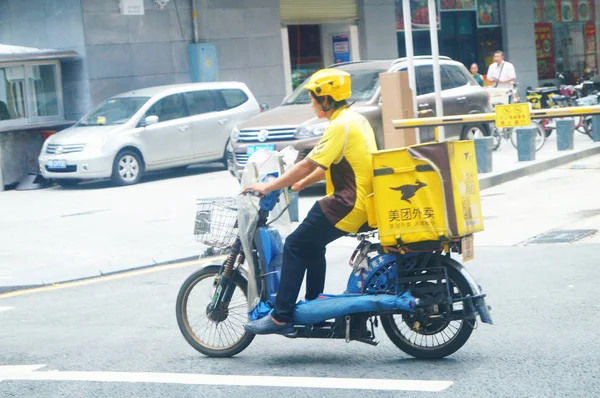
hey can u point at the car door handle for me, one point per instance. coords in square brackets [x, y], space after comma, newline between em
[183, 128]
[461, 99]
[222, 121]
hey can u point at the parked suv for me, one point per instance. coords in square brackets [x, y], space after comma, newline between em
[294, 122]
[148, 129]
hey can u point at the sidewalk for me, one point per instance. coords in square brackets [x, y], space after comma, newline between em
[56, 234]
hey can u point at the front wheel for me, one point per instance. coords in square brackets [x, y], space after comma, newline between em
[127, 168]
[437, 338]
[218, 333]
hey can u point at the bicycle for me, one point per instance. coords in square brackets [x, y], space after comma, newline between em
[510, 133]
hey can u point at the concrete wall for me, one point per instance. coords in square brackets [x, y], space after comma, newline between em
[19, 151]
[327, 33]
[377, 29]
[247, 34]
[51, 24]
[519, 42]
[126, 52]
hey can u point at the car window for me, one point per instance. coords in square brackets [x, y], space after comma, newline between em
[233, 97]
[425, 84]
[114, 111]
[168, 108]
[199, 102]
[365, 83]
[424, 75]
[456, 75]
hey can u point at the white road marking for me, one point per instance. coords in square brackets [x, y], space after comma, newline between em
[28, 372]
[6, 308]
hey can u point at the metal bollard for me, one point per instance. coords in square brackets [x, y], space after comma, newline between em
[293, 207]
[526, 143]
[483, 153]
[596, 128]
[564, 134]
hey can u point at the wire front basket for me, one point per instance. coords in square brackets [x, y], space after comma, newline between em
[216, 222]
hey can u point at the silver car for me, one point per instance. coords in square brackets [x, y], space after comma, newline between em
[148, 129]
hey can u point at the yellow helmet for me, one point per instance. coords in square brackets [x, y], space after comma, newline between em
[332, 82]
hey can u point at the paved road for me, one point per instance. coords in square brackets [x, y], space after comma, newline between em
[544, 343]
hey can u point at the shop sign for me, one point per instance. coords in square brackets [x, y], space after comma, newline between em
[419, 15]
[488, 13]
[341, 49]
[544, 45]
[563, 10]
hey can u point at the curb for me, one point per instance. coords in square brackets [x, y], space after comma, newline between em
[10, 289]
[494, 180]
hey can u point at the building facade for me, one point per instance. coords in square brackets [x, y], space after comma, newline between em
[271, 45]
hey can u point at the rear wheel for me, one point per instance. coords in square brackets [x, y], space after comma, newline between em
[437, 337]
[540, 136]
[472, 131]
[218, 334]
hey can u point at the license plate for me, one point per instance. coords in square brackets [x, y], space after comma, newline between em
[255, 148]
[468, 249]
[57, 164]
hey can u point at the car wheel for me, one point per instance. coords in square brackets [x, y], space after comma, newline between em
[472, 131]
[67, 182]
[127, 168]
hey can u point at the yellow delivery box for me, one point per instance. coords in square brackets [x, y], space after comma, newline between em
[426, 193]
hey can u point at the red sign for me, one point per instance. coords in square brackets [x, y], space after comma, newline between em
[544, 44]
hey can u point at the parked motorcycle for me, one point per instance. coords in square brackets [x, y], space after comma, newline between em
[580, 94]
[426, 302]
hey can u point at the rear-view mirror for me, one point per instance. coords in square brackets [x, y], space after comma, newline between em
[152, 119]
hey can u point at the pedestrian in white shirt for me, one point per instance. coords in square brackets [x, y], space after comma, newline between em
[501, 72]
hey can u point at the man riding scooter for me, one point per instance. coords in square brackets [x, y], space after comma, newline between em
[343, 158]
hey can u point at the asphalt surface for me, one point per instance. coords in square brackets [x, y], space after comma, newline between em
[544, 341]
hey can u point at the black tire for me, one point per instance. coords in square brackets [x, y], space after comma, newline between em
[449, 348]
[138, 168]
[182, 319]
[67, 182]
[467, 132]
[497, 139]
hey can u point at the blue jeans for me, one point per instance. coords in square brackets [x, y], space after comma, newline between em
[304, 252]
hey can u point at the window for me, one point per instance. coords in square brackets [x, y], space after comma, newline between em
[456, 75]
[168, 108]
[233, 97]
[199, 102]
[30, 93]
[43, 97]
[114, 111]
[12, 93]
[424, 75]
[365, 83]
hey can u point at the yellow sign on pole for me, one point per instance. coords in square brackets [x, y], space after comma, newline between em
[512, 115]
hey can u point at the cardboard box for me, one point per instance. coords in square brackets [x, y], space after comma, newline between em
[396, 97]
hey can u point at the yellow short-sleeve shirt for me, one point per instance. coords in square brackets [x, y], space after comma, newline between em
[345, 152]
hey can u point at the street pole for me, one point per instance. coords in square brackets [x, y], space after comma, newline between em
[435, 53]
[408, 42]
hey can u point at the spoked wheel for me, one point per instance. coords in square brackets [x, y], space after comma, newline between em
[433, 338]
[497, 139]
[585, 127]
[540, 136]
[219, 333]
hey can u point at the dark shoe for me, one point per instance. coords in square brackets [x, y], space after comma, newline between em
[266, 325]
